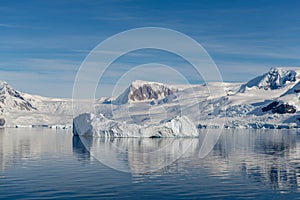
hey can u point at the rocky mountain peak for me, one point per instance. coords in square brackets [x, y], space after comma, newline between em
[274, 79]
[12, 99]
[144, 91]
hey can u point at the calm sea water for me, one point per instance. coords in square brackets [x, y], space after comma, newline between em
[244, 164]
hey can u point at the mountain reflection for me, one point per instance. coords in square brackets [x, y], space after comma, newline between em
[266, 156]
[271, 157]
[20, 145]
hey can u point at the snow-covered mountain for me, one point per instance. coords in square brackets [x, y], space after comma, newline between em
[11, 99]
[144, 91]
[270, 100]
[19, 109]
[274, 79]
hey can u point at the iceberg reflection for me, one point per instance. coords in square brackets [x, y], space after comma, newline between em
[269, 157]
[138, 155]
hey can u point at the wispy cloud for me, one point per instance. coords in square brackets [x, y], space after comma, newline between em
[58, 85]
[255, 50]
[8, 26]
[41, 76]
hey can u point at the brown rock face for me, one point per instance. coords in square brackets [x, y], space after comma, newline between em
[145, 92]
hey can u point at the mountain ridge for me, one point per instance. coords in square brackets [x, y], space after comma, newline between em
[273, 101]
[274, 79]
[11, 99]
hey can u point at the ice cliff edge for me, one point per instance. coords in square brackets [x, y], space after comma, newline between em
[88, 124]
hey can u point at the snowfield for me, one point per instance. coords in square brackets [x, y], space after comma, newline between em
[150, 109]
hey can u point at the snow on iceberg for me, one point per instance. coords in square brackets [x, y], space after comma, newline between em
[88, 124]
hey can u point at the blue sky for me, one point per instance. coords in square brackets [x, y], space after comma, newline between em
[42, 43]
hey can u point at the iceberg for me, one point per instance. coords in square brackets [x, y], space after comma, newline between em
[88, 124]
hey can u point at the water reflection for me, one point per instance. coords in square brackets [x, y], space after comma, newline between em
[19, 146]
[269, 157]
[136, 155]
[79, 149]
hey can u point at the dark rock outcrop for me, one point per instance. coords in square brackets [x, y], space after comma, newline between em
[270, 106]
[296, 90]
[2, 122]
[284, 108]
[280, 109]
